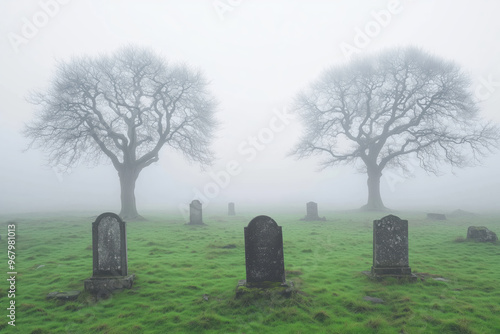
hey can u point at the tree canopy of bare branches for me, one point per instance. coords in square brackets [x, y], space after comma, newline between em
[123, 108]
[383, 110]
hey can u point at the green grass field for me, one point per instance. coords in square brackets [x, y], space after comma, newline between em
[185, 279]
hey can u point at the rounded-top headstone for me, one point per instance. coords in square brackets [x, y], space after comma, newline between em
[264, 251]
[195, 213]
[390, 246]
[109, 245]
[109, 248]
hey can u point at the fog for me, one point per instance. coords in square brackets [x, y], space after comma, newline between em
[257, 56]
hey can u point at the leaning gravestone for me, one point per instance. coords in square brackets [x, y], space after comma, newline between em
[481, 234]
[265, 265]
[195, 213]
[312, 212]
[390, 248]
[109, 248]
[230, 209]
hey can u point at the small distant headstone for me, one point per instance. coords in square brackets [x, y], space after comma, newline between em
[481, 234]
[195, 213]
[436, 216]
[265, 265]
[312, 212]
[230, 209]
[109, 248]
[390, 248]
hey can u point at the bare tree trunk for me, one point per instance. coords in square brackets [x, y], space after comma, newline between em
[128, 177]
[374, 199]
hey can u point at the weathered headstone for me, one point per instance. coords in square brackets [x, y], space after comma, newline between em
[390, 248]
[265, 265]
[109, 248]
[481, 234]
[436, 216]
[264, 251]
[230, 209]
[195, 213]
[312, 212]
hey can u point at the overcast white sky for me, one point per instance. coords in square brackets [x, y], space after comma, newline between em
[257, 55]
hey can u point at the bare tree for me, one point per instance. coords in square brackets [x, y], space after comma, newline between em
[380, 111]
[123, 108]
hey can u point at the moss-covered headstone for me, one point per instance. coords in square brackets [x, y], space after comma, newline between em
[109, 248]
[390, 248]
[265, 265]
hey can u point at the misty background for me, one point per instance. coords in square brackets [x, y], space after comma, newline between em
[257, 56]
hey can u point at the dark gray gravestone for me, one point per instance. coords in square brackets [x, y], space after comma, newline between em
[312, 212]
[230, 209]
[195, 213]
[264, 251]
[390, 248]
[109, 248]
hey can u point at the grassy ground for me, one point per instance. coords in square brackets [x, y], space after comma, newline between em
[186, 280]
